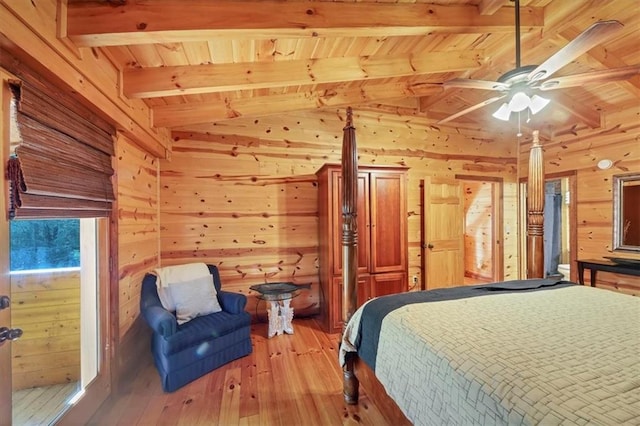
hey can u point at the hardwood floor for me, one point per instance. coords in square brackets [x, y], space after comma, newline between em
[287, 380]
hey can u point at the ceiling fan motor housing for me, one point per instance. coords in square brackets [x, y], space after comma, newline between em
[516, 75]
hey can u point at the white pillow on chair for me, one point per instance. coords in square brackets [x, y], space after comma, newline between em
[194, 298]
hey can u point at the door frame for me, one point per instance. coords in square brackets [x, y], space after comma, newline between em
[5, 283]
[497, 222]
[571, 176]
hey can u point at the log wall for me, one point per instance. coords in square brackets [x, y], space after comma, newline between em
[245, 198]
[580, 150]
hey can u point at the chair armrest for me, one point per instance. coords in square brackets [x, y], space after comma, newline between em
[233, 303]
[160, 320]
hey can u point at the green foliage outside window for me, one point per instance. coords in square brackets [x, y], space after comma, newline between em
[44, 244]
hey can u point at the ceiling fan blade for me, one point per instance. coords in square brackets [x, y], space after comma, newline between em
[602, 76]
[588, 39]
[467, 83]
[471, 108]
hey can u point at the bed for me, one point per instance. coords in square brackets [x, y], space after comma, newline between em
[533, 351]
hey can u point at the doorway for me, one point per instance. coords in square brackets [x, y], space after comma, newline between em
[483, 260]
[53, 295]
[54, 299]
[560, 226]
[461, 231]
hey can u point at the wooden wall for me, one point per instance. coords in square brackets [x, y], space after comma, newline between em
[478, 232]
[138, 228]
[580, 150]
[46, 306]
[243, 194]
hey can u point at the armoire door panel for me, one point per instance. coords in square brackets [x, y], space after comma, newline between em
[362, 212]
[388, 221]
[363, 290]
[389, 283]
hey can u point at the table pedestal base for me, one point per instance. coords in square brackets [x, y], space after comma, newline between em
[280, 317]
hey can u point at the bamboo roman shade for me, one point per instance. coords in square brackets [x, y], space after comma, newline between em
[61, 164]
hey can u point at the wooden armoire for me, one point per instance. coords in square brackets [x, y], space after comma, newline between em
[382, 236]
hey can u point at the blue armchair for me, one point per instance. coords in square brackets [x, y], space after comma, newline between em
[183, 353]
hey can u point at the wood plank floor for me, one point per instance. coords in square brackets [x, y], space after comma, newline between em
[287, 380]
[41, 405]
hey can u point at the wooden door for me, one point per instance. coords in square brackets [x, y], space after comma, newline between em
[388, 221]
[443, 244]
[363, 222]
[5, 285]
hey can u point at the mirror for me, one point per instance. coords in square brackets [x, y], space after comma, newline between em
[626, 212]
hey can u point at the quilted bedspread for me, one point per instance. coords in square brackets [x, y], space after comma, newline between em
[570, 355]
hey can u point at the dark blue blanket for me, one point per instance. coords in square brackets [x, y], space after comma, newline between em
[375, 311]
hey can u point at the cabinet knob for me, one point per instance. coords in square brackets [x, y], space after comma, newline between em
[430, 245]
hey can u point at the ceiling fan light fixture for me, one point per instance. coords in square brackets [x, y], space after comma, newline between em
[503, 113]
[537, 103]
[519, 102]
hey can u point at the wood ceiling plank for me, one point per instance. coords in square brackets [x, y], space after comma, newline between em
[194, 113]
[489, 7]
[165, 21]
[181, 80]
[607, 58]
[584, 113]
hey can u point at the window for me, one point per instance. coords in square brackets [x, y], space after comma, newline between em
[44, 244]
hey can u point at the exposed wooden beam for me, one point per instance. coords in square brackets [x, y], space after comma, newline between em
[429, 117]
[166, 21]
[193, 79]
[79, 78]
[204, 112]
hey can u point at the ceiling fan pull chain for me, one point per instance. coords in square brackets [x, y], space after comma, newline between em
[519, 134]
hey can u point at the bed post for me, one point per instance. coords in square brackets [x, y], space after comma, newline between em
[349, 247]
[535, 211]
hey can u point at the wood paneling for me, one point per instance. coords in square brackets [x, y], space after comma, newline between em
[220, 206]
[245, 198]
[46, 306]
[138, 228]
[478, 236]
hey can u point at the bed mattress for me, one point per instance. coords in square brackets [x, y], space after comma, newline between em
[557, 354]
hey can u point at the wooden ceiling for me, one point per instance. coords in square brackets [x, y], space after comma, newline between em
[198, 62]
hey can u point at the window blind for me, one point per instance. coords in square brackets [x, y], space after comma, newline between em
[61, 164]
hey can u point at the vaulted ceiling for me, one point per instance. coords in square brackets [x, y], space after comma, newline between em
[197, 63]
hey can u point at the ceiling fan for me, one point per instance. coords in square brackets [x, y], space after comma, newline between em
[522, 84]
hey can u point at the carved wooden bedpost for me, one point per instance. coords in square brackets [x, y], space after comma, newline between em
[349, 246]
[535, 211]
